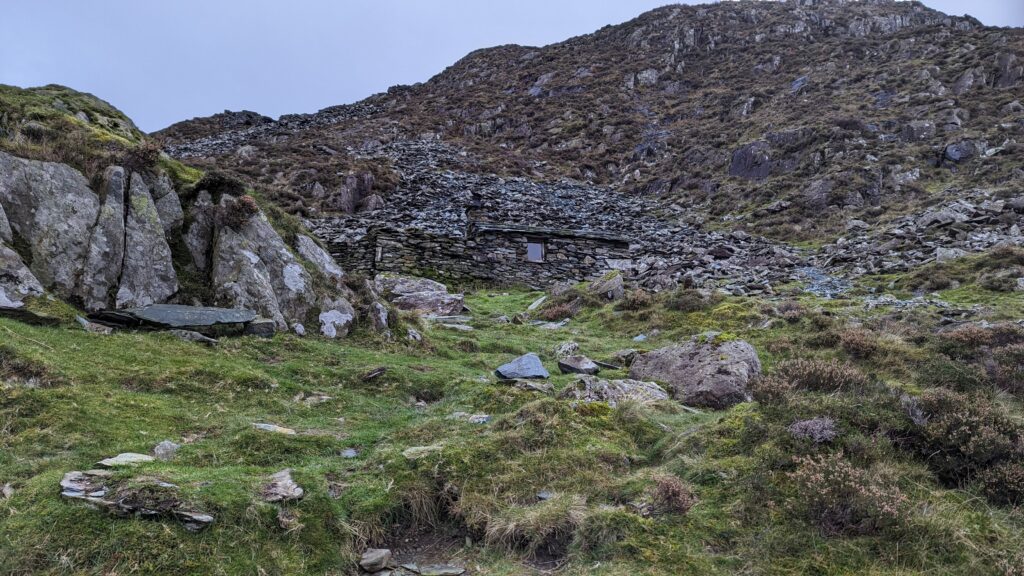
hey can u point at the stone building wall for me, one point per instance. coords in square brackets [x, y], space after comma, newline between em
[491, 255]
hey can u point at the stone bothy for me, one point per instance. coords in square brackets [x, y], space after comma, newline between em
[506, 253]
[460, 226]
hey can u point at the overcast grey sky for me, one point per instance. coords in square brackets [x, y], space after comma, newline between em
[161, 61]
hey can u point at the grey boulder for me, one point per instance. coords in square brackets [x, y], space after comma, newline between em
[701, 373]
[526, 366]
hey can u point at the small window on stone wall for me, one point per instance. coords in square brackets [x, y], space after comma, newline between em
[534, 251]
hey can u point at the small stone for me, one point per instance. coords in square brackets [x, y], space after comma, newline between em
[536, 303]
[413, 335]
[458, 327]
[375, 559]
[417, 452]
[165, 450]
[125, 459]
[6, 491]
[349, 453]
[566, 349]
[282, 488]
[544, 495]
[93, 327]
[273, 428]
[578, 365]
[479, 419]
[192, 336]
[193, 521]
[261, 327]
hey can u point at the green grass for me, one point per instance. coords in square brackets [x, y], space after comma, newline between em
[95, 396]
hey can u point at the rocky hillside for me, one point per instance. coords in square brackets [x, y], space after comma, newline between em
[783, 118]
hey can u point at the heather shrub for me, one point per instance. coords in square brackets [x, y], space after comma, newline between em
[1003, 483]
[962, 435]
[770, 389]
[670, 495]
[821, 375]
[635, 300]
[1008, 368]
[236, 212]
[557, 312]
[841, 498]
[858, 342]
[691, 300]
[790, 311]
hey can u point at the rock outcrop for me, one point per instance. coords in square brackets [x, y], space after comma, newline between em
[111, 248]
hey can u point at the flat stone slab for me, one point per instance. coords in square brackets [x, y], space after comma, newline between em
[174, 316]
[179, 316]
[125, 459]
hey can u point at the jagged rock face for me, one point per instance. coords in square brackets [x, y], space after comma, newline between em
[106, 244]
[16, 280]
[52, 210]
[147, 276]
[253, 268]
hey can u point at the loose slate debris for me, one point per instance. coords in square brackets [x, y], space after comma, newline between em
[273, 428]
[374, 374]
[282, 488]
[192, 336]
[142, 497]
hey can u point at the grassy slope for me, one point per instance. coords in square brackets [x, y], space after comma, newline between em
[107, 394]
